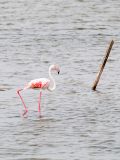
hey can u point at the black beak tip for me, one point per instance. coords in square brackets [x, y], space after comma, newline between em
[58, 72]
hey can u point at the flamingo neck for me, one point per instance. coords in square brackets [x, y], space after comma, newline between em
[52, 85]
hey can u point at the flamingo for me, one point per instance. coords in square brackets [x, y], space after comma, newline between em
[41, 84]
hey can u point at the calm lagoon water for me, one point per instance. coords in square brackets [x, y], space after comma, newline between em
[77, 123]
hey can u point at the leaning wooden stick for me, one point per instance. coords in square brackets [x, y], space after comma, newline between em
[103, 65]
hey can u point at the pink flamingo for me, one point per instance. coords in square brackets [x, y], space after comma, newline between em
[41, 83]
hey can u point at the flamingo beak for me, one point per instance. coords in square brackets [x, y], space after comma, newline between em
[58, 72]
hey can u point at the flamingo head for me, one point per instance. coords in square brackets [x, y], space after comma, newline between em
[55, 67]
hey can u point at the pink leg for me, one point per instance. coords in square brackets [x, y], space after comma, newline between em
[39, 109]
[26, 110]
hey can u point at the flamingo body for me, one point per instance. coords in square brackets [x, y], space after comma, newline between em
[41, 84]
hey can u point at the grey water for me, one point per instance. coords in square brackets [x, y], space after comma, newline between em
[77, 123]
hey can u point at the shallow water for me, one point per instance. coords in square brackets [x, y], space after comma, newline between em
[77, 123]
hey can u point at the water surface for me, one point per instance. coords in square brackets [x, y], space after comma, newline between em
[77, 123]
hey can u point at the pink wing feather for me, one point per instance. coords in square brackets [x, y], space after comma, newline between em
[42, 83]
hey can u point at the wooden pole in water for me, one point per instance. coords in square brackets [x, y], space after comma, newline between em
[102, 66]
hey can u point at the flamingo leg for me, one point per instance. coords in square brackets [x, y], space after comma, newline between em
[39, 105]
[26, 110]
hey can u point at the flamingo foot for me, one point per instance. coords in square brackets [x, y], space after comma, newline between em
[24, 113]
[39, 115]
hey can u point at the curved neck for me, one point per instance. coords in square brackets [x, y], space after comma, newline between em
[52, 85]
